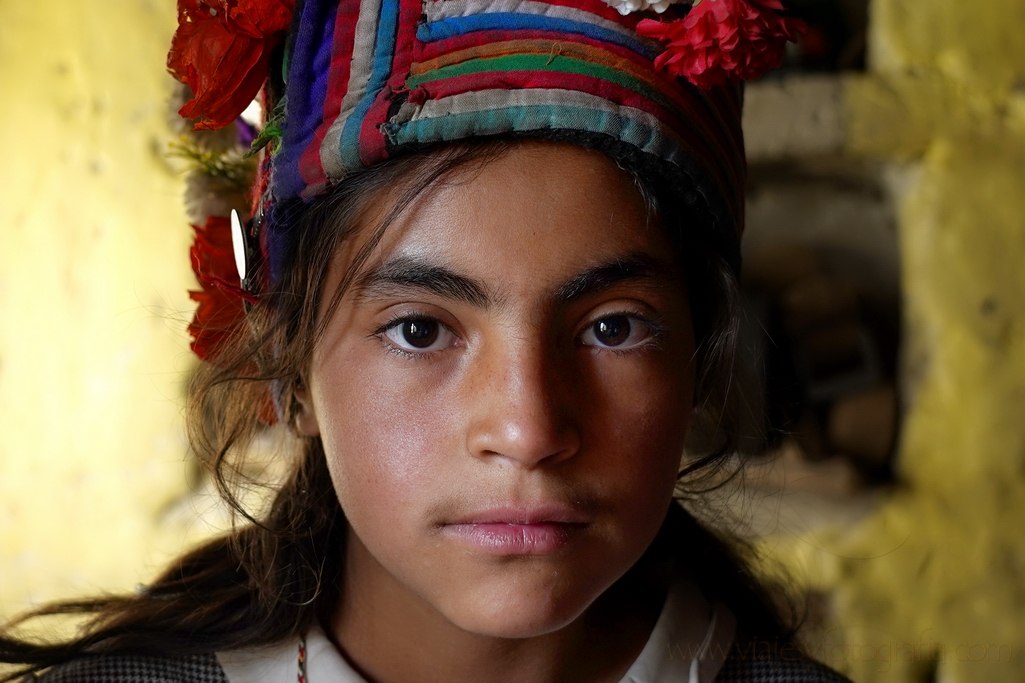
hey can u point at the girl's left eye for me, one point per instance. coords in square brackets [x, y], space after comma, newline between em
[418, 335]
[620, 332]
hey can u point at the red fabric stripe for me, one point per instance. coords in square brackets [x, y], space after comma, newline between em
[372, 142]
[637, 69]
[521, 80]
[438, 48]
[668, 86]
[344, 37]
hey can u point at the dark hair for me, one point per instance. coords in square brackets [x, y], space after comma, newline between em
[270, 577]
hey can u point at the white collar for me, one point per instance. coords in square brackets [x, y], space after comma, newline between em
[680, 648]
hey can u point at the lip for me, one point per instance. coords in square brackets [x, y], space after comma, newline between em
[516, 530]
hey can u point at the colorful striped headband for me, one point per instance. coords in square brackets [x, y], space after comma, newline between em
[653, 84]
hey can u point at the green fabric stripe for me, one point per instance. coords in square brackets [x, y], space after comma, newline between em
[541, 63]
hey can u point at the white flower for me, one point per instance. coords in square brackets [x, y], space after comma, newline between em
[625, 7]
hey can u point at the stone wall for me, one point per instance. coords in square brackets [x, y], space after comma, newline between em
[926, 580]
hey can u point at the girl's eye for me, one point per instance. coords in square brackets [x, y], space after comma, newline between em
[619, 332]
[419, 335]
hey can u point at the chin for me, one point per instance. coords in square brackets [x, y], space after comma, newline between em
[520, 614]
[523, 623]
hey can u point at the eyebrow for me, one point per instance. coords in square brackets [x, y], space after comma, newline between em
[399, 275]
[634, 267]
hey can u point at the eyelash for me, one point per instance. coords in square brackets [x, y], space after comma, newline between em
[656, 330]
[379, 333]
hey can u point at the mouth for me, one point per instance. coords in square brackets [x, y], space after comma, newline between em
[510, 531]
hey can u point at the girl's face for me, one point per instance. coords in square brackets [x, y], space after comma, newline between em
[503, 394]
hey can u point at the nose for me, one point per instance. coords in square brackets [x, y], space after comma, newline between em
[522, 406]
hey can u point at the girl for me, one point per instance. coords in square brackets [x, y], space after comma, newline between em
[488, 279]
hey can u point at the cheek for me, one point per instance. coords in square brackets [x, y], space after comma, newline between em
[378, 434]
[649, 399]
[642, 416]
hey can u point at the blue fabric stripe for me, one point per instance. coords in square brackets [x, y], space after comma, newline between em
[535, 117]
[509, 21]
[384, 50]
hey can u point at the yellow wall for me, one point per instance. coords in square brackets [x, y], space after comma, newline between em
[93, 280]
[936, 578]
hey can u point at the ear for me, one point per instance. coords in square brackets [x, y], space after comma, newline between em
[305, 416]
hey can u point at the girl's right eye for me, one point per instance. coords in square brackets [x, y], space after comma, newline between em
[418, 335]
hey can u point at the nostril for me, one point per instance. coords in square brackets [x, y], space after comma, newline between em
[527, 442]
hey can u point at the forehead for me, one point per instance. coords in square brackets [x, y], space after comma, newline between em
[539, 212]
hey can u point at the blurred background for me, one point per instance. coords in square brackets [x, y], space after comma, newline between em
[884, 342]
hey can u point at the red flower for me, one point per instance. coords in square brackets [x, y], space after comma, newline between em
[723, 40]
[221, 51]
[221, 311]
[221, 301]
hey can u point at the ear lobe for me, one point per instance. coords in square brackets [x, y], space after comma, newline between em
[305, 416]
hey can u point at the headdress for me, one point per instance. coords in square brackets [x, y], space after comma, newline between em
[347, 84]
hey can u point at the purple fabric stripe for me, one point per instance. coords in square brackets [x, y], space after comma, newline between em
[309, 60]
